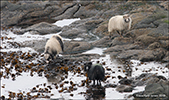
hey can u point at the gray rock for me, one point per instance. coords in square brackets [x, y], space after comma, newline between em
[154, 46]
[138, 32]
[166, 58]
[101, 30]
[152, 55]
[165, 44]
[161, 30]
[82, 29]
[76, 47]
[68, 13]
[131, 54]
[145, 40]
[154, 91]
[81, 57]
[120, 48]
[113, 55]
[160, 21]
[83, 12]
[3, 4]
[145, 26]
[43, 28]
[149, 21]
[121, 41]
[124, 88]
[143, 55]
[125, 81]
[37, 45]
[73, 33]
[103, 42]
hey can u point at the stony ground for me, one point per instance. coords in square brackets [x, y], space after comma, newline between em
[147, 40]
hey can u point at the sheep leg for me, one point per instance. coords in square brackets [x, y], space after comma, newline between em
[109, 35]
[93, 82]
[99, 82]
[118, 32]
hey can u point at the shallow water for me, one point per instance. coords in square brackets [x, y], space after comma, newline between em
[24, 82]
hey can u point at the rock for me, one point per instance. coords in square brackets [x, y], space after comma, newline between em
[131, 54]
[124, 88]
[145, 40]
[73, 33]
[165, 4]
[138, 32]
[3, 4]
[147, 78]
[125, 81]
[68, 13]
[110, 85]
[81, 29]
[103, 42]
[166, 58]
[101, 30]
[42, 28]
[161, 30]
[153, 91]
[81, 57]
[37, 45]
[149, 21]
[121, 41]
[151, 25]
[154, 46]
[164, 44]
[120, 48]
[13, 14]
[152, 55]
[76, 47]
[85, 12]
[143, 55]
[160, 21]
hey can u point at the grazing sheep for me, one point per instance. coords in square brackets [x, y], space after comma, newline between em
[119, 23]
[53, 47]
[95, 72]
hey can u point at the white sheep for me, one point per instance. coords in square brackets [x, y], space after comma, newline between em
[53, 47]
[119, 23]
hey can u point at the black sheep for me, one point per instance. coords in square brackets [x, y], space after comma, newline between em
[95, 72]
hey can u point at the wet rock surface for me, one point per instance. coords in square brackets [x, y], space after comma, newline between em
[147, 40]
[146, 29]
[156, 87]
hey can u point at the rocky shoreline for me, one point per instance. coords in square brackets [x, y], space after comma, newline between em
[147, 40]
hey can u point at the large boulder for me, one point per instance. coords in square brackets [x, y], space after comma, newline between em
[161, 30]
[154, 91]
[85, 12]
[71, 47]
[121, 41]
[42, 28]
[145, 40]
[121, 48]
[152, 55]
[103, 42]
[81, 29]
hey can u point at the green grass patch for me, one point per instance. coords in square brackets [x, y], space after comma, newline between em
[166, 21]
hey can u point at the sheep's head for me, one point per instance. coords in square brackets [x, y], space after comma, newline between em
[87, 66]
[126, 18]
